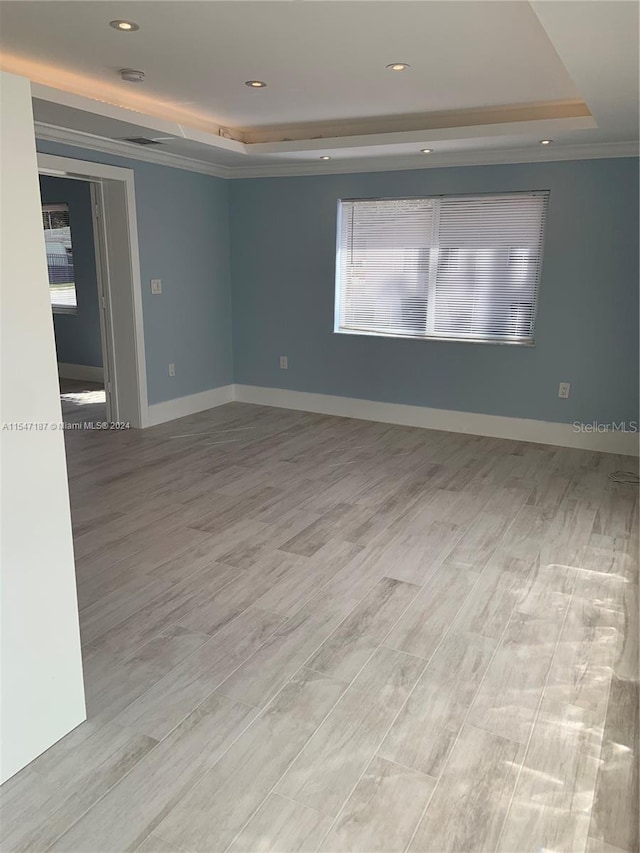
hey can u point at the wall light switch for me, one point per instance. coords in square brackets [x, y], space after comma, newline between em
[284, 362]
[172, 369]
[156, 285]
[563, 390]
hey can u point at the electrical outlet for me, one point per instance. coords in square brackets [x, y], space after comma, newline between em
[156, 285]
[172, 369]
[563, 390]
[284, 362]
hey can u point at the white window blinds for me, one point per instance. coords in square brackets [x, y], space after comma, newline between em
[464, 268]
[57, 238]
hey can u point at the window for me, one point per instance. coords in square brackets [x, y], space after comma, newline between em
[451, 267]
[57, 238]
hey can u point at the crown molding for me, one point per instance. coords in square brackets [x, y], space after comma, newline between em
[486, 157]
[63, 135]
[492, 157]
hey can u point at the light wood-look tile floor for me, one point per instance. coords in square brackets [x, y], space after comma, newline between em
[310, 633]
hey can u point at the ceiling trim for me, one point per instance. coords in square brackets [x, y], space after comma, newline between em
[66, 136]
[438, 121]
[388, 163]
[444, 160]
[539, 129]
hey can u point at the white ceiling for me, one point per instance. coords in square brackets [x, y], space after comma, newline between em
[321, 60]
[484, 76]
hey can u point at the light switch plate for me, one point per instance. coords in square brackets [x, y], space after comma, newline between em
[156, 285]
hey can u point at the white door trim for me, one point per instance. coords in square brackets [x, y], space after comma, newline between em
[131, 402]
[102, 281]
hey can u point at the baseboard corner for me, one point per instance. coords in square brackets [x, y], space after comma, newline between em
[81, 372]
[180, 407]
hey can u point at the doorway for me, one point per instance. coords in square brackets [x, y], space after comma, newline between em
[122, 373]
[77, 301]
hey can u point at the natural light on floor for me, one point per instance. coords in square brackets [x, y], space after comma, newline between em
[84, 398]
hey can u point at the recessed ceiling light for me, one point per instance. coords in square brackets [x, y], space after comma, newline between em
[546, 141]
[426, 150]
[255, 84]
[325, 157]
[124, 26]
[398, 66]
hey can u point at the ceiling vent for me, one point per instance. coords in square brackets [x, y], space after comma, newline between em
[140, 140]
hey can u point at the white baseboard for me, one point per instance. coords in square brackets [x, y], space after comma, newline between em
[80, 371]
[474, 423]
[171, 410]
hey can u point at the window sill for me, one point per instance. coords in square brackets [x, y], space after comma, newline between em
[496, 342]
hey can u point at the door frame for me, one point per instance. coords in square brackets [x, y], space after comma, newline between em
[119, 282]
[106, 336]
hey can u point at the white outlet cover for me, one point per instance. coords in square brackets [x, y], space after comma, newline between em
[156, 285]
[563, 390]
[284, 362]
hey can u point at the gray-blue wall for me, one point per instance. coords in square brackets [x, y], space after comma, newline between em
[183, 231]
[77, 335]
[283, 236]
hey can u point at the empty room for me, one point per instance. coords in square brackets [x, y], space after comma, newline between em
[319, 426]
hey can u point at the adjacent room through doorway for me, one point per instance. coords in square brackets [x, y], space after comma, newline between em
[67, 217]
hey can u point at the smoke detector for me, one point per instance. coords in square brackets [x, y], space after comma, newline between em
[132, 76]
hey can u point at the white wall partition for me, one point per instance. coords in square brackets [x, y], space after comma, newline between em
[42, 691]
